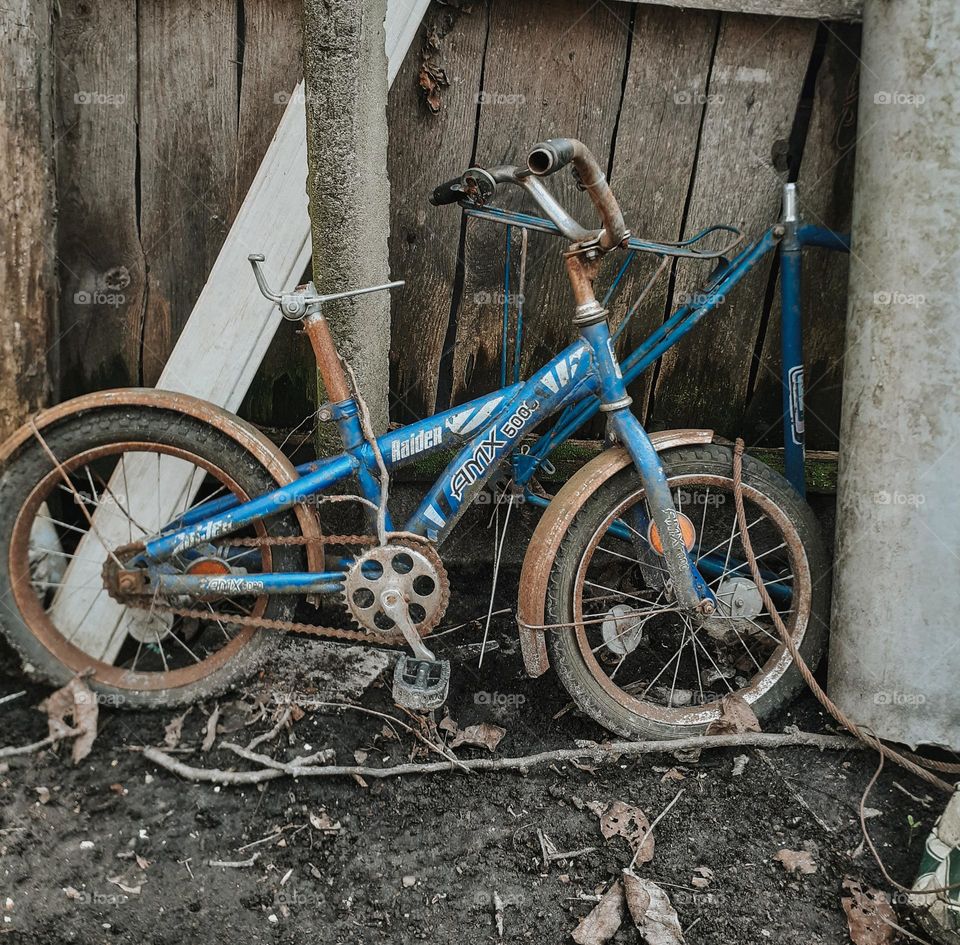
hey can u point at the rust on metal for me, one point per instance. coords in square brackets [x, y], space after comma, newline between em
[329, 365]
[553, 525]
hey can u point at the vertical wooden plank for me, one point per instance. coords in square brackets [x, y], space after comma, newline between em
[656, 149]
[755, 85]
[27, 256]
[101, 261]
[556, 75]
[284, 390]
[426, 148]
[188, 140]
[825, 185]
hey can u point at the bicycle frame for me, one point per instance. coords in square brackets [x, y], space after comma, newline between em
[580, 381]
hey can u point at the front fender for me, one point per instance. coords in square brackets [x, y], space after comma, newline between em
[554, 523]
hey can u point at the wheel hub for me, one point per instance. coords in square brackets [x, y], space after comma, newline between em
[622, 630]
[740, 597]
[410, 569]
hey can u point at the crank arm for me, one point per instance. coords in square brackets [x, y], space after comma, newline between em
[395, 607]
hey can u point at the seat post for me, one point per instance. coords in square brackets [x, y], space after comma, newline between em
[331, 370]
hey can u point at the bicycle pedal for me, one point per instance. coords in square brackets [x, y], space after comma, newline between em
[421, 684]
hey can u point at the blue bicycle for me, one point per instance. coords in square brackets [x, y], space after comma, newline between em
[156, 542]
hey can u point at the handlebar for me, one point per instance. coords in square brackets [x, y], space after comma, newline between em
[479, 185]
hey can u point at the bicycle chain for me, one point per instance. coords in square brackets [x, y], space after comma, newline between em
[152, 603]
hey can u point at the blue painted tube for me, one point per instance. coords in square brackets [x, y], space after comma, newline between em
[506, 311]
[242, 515]
[791, 364]
[810, 235]
[293, 582]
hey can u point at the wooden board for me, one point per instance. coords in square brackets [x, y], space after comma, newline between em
[544, 77]
[28, 284]
[426, 148]
[811, 9]
[284, 389]
[656, 149]
[825, 186]
[754, 89]
[188, 140]
[102, 267]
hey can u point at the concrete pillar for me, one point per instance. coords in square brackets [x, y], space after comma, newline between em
[345, 75]
[895, 644]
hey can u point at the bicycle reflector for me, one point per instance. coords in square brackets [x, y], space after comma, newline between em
[687, 530]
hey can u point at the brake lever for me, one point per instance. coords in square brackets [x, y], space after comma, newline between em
[297, 305]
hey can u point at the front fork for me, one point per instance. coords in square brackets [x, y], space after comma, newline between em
[689, 587]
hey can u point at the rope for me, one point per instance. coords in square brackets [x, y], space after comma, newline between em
[921, 767]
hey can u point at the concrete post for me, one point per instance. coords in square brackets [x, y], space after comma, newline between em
[895, 645]
[345, 76]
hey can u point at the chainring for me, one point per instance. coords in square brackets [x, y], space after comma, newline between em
[409, 565]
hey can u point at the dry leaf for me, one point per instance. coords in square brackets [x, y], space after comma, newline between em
[174, 729]
[142, 862]
[796, 861]
[210, 734]
[866, 911]
[76, 701]
[485, 735]
[129, 890]
[651, 911]
[623, 820]
[601, 924]
[72, 893]
[736, 717]
[323, 822]
[674, 774]
[43, 795]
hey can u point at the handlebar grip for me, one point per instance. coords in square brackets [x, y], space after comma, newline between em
[550, 156]
[450, 192]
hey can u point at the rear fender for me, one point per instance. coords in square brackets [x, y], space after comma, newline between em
[554, 523]
[251, 439]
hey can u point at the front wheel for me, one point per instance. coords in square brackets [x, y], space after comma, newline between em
[629, 656]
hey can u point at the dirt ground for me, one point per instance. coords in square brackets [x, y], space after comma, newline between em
[407, 860]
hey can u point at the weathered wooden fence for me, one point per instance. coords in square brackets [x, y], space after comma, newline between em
[163, 112]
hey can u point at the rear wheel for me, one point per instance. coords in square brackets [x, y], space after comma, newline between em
[632, 659]
[131, 470]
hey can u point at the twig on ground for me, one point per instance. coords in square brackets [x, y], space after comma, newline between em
[392, 719]
[274, 732]
[12, 696]
[926, 800]
[15, 750]
[594, 752]
[649, 831]
[234, 864]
